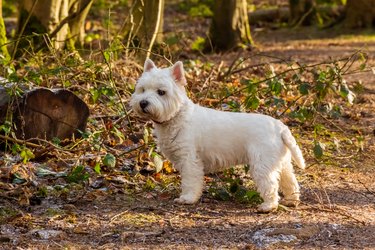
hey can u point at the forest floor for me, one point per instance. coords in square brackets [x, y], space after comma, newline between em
[338, 196]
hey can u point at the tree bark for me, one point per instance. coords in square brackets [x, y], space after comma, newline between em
[146, 24]
[79, 11]
[60, 20]
[302, 12]
[359, 13]
[230, 26]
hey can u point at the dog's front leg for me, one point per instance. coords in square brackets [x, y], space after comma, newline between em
[192, 180]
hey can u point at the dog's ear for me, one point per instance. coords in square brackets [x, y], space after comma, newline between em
[149, 65]
[178, 73]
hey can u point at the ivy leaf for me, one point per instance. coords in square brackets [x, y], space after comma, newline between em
[351, 97]
[107, 56]
[198, 44]
[109, 160]
[26, 155]
[97, 168]
[158, 162]
[362, 66]
[221, 194]
[251, 88]
[252, 102]
[172, 40]
[344, 90]
[304, 88]
[78, 174]
[318, 150]
[276, 86]
[95, 94]
[146, 135]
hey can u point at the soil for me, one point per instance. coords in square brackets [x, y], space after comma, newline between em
[337, 210]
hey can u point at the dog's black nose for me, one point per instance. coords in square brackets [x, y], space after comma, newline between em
[143, 104]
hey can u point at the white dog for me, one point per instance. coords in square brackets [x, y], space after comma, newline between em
[200, 140]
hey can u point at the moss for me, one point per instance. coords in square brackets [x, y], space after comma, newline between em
[3, 40]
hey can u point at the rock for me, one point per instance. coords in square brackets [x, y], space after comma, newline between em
[262, 238]
[48, 234]
[270, 236]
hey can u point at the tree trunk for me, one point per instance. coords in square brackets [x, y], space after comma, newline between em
[3, 36]
[302, 12]
[60, 20]
[146, 24]
[230, 26]
[79, 11]
[359, 13]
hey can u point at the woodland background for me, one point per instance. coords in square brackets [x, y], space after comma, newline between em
[79, 171]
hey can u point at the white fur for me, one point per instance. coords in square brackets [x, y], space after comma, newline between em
[199, 140]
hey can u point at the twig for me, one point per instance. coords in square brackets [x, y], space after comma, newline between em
[23, 29]
[332, 123]
[368, 190]
[30, 144]
[338, 211]
[131, 150]
[282, 73]
[231, 67]
[304, 17]
[113, 85]
[208, 79]
[289, 106]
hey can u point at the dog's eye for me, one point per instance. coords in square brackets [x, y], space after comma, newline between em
[142, 90]
[161, 92]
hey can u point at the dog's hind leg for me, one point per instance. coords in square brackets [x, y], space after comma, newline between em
[289, 185]
[267, 181]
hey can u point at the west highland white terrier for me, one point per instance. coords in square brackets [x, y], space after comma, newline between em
[199, 140]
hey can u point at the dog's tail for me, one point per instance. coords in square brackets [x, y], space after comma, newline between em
[291, 143]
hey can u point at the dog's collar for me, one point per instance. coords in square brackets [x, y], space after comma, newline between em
[159, 123]
[170, 119]
[165, 122]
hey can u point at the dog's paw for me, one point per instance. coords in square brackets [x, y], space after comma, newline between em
[290, 202]
[185, 199]
[267, 207]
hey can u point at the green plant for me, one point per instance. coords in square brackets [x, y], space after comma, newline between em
[231, 188]
[197, 8]
[198, 44]
[78, 174]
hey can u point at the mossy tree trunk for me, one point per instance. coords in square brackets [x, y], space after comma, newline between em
[78, 11]
[302, 12]
[56, 20]
[359, 13]
[230, 26]
[3, 37]
[145, 27]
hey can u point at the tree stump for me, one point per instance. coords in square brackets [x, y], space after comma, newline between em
[46, 114]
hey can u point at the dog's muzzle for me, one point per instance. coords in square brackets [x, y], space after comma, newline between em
[143, 104]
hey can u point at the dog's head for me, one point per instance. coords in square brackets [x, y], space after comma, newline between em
[159, 93]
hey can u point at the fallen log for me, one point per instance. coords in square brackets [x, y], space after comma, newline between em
[282, 14]
[45, 114]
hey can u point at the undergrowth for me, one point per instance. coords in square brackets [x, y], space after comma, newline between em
[117, 153]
